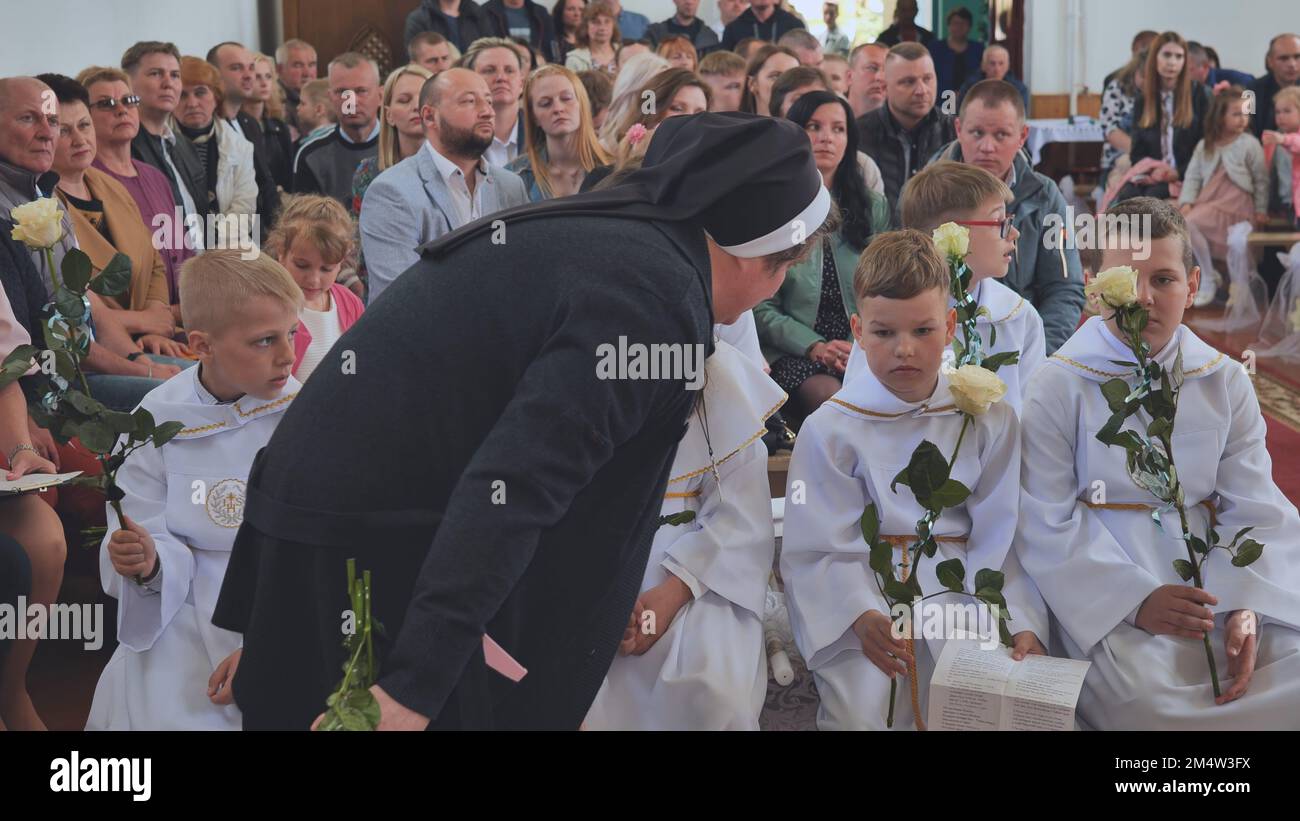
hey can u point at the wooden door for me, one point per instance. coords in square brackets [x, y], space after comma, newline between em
[374, 28]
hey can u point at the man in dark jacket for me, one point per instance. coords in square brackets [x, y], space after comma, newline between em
[1045, 269]
[524, 18]
[686, 24]
[521, 507]
[908, 129]
[1283, 64]
[764, 19]
[460, 21]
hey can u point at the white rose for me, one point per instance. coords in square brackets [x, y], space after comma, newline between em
[974, 389]
[952, 240]
[39, 224]
[1117, 287]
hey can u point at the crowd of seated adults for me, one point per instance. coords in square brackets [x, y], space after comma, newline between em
[508, 102]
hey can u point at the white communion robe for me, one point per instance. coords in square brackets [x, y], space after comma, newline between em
[1095, 566]
[847, 453]
[708, 670]
[1018, 328]
[743, 334]
[189, 494]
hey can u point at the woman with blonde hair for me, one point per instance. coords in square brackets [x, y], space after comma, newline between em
[636, 72]
[401, 132]
[266, 105]
[561, 147]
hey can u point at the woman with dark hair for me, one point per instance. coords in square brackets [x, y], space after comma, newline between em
[567, 15]
[1168, 116]
[768, 63]
[804, 328]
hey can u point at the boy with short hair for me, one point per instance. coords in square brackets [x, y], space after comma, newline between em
[845, 458]
[1088, 540]
[972, 197]
[184, 501]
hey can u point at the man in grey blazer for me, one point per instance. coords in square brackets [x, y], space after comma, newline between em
[441, 187]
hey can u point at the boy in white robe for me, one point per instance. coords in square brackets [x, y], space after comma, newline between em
[970, 196]
[692, 658]
[1103, 565]
[845, 458]
[184, 501]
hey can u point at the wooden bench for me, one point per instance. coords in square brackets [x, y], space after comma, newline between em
[778, 467]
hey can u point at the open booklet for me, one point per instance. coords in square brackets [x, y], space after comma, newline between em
[975, 689]
[35, 481]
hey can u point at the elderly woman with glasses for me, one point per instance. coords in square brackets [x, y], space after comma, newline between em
[226, 156]
[106, 219]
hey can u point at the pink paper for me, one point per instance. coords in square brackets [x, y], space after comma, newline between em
[499, 660]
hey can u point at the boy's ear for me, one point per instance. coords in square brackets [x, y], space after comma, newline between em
[855, 325]
[952, 325]
[1193, 285]
[200, 343]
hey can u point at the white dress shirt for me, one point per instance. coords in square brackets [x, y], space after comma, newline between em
[469, 207]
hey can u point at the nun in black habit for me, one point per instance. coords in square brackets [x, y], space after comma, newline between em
[459, 442]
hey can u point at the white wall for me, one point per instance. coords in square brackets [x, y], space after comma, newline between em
[1238, 31]
[65, 36]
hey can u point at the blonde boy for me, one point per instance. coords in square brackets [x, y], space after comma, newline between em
[847, 453]
[972, 197]
[1088, 540]
[184, 501]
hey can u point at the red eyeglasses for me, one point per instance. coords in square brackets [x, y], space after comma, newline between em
[1003, 225]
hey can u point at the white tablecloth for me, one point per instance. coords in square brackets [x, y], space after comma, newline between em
[1042, 132]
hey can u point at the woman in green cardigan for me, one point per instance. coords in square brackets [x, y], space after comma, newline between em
[804, 328]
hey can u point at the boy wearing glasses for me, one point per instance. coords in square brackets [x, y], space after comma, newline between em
[972, 197]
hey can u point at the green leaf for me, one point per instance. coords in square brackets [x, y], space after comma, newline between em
[927, 471]
[1112, 426]
[115, 277]
[929, 547]
[986, 579]
[952, 574]
[65, 365]
[1159, 427]
[165, 432]
[958, 348]
[1177, 375]
[76, 271]
[990, 596]
[997, 360]
[950, 494]
[673, 519]
[1116, 392]
[1249, 551]
[1004, 633]
[70, 305]
[86, 404]
[881, 560]
[114, 493]
[993, 340]
[870, 524]
[118, 422]
[144, 424]
[1198, 544]
[899, 479]
[97, 436]
[1240, 533]
[897, 591]
[1184, 569]
[1123, 362]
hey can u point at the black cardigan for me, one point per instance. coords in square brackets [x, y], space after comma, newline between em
[25, 291]
[1146, 141]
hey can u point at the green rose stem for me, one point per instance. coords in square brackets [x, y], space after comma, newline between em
[72, 331]
[1124, 320]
